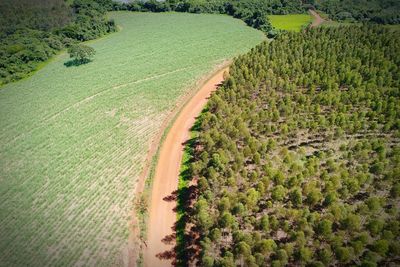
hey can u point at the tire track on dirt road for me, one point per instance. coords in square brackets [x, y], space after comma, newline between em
[161, 215]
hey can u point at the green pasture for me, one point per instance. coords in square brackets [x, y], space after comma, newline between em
[73, 139]
[292, 22]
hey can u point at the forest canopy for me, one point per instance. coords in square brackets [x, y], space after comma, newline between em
[297, 155]
[378, 11]
[33, 31]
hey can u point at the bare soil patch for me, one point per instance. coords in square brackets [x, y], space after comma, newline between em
[317, 19]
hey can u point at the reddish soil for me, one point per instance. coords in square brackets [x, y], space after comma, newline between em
[317, 19]
[161, 214]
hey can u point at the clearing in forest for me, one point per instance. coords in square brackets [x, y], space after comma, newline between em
[292, 22]
[73, 140]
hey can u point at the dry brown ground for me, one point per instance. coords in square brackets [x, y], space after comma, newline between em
[317, 19]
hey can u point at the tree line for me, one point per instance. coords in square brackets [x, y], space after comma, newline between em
[252, 12]
[378, 11]
[33, 31]
[297, 156]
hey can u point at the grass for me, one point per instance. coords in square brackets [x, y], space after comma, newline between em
[184, 196]
[293, 22]
[393, 27]
[333, 24]
[73, 140]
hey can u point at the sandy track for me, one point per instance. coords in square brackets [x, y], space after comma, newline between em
[317, 19]
[161, 214]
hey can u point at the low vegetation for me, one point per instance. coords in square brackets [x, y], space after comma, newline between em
[73, 141]
[297, 159]
[291, 22]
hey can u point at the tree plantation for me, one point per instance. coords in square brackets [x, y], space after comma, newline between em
[297, 160]
[212, 133]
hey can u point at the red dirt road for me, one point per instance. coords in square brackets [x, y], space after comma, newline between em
[317, 19]
[161, 214]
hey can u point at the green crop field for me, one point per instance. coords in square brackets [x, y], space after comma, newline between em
[293, 22]
[73, 139]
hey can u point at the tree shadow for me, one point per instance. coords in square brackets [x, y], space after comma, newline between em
[76, 62]
[185, 234]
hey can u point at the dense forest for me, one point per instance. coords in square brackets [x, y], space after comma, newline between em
[297, 158]
[33, 31]
[378, 11]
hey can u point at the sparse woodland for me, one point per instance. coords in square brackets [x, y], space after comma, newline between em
[297, 160]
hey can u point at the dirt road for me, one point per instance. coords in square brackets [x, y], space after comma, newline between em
[317, 18]
[161, 214]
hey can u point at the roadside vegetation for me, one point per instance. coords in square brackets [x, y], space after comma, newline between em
[297, 158]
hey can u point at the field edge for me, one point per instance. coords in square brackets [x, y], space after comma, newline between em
[138, 227]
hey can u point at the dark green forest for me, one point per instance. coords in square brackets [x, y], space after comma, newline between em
[378, 11]
[33, 31]
[297, 156]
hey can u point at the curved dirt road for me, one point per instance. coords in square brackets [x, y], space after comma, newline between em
[161, 214]
[317, 19]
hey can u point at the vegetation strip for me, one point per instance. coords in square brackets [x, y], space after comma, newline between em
[161, 215]
[143, 189]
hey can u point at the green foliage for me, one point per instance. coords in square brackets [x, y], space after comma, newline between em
[278, 193]
[253, 12]
[324, 228]
[343, 254]
[381, 247]
[375, 226]
[31, 32]
[378, 11]
[72, 139]
[291, 22]
[318, 108]
[81, 53]
[89, 20]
